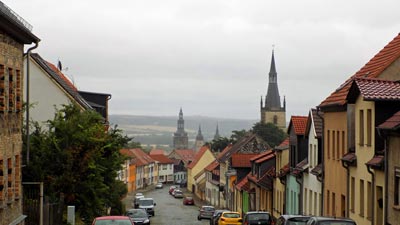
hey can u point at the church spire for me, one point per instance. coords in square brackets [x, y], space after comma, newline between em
[272, 100]
[199, 135]
[217, 136]
[180, 140]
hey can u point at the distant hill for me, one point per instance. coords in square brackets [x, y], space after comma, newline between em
[159, 130]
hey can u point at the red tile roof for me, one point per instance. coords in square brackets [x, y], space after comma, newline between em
[263, 156]
[185, 154]
[162, 159]
[224, 152]
[375, 89]
[62, 76]
[156, 152]
[392, 123]
[299, 124]
[127, 153]
[243, 185]
[265, 180]
[376, 162]
[212, 166]
[284, 170]
[372, 69]
[198, 156]
[242, 160]
[141, 158]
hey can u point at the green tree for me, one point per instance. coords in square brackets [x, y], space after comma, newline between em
[77, 158]
[237, 135]
[270, 133]
[220, 144]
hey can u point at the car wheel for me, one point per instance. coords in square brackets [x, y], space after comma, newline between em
[198, 218]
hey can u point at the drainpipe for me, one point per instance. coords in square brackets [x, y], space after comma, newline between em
[299, 180]
[382, 134]
[373, 194]
[347, 188]
[322, 162]
[28, 139]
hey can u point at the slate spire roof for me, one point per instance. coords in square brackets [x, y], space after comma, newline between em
[272, 100]
[199, 136]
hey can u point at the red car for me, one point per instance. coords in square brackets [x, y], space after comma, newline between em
[111, 220]
[188, 200]
[171, 189]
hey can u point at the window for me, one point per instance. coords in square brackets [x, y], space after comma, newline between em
[352, 194]
[315, 204]
[311, 156]
[338, 144]
[11, 90]
[343, 143]
[2, 89]
[1, 181]
[361, 127]
[333, 204]
[361, 198]
[369, 200]
[333, 144]
[164, 166]
[10, 189]
[328, 202]
[328, 144]
[397, 186]
[305, 200]
[275, 119]
[369, 127]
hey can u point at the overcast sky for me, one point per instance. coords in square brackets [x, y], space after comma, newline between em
[209, 57]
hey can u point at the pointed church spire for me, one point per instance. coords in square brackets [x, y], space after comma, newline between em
[180, 140]
[180, 114]
[217, 136]
[199, 134]
[272, 100]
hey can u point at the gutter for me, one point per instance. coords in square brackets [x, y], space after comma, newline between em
[347, 187]
[322, 162]
[28, 139]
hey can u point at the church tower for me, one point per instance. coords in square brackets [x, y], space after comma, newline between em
[271, 110]
[217, 136]
[180, 136]
[199, 142]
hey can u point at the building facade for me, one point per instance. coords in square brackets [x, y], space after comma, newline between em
[14, 34]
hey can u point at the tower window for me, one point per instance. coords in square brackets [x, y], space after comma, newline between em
[275, 119]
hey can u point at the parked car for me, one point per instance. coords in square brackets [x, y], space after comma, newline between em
[139, 216]
[188, 200]
[206, 212]
[171, 189]
[174, 191]
[147, 204]
[113, 220]
[230, 218]
[135, 203]
[178, 194]
[321, 220]
[217, 214]
[292, 219]
[257, 218]
[159, 185]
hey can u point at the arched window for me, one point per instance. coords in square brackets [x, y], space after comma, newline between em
[275, 119]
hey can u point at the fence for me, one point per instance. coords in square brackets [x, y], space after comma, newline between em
[37, 208]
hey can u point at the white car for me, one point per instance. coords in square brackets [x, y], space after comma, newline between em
[159, 185]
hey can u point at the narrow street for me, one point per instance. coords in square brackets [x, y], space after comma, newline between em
[170, 210]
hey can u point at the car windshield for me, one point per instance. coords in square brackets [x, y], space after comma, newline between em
[208, 208]
[146, 202]
[297, 221]
[137, 213]
[113, 222]
[258, 216]
[231, 215]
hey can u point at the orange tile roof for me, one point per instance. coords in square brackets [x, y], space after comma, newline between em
[185, 154]
[372, 69]
[141, 158]
[212, 166]
[162, 159]
[224, 152]
[243, 185]
[62, 76]
[392, 123]
[261, 155]
[156, 152]
[375, 89]
[299, 124]
[127, 153]
[242, 160]
[198, 156]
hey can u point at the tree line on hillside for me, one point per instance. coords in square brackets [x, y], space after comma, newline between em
[268, 132]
